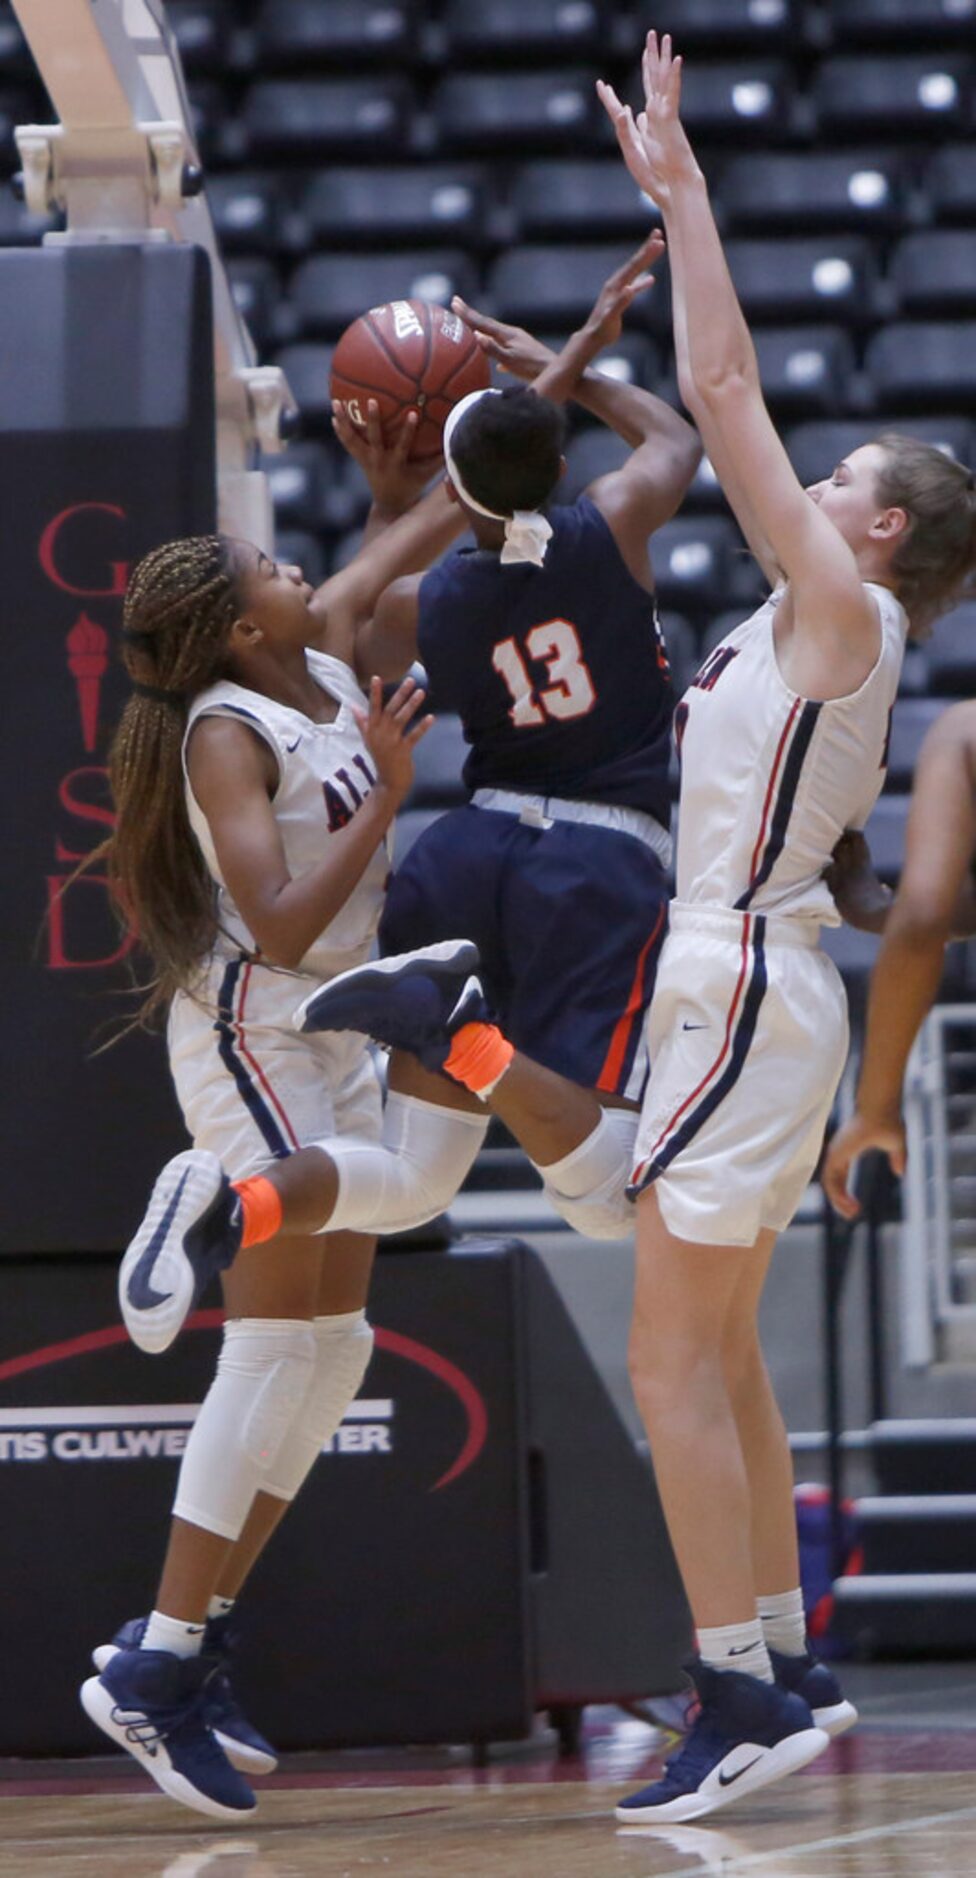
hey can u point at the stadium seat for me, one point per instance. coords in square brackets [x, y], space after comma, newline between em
[709, 24]
[249, 211]
[950, 183]
[827, 277]
[853, 953]
[922, 364]
[438, 761]
[297, 480]
[18, 227]
[576, 197]
[706, 491]
[633, 359]
[502, 112]
[951, 653]
[805, 369]
[302, 549]
[403, 204]
[307, 369]
[521, 30]
[298, 34]
[692, 560]
[307, 119]
[855, 190]
[927, 95]
[911, 21]
[255, 287]
[935, 271]
[885, 834]
[816, 449]
[539, 286]
[203, 34]
[330, 290]
[593, 452]
[15, 57]
[746, 100]
[911, 721]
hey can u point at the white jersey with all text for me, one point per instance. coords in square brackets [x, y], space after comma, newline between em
[325, 773]
[770, 780]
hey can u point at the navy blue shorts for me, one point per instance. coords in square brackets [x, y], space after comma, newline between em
[569, 921]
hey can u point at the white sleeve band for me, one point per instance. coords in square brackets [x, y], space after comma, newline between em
[412, 1176]
[344, 1347]
[588, 1187]
[264, 1374]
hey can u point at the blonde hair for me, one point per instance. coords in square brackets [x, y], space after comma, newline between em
[938, 553]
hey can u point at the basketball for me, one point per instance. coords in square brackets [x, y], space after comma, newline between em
[408, 355]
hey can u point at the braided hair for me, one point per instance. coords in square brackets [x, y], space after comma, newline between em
[180, 604]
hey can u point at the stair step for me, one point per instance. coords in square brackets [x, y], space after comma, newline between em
[918, 1533]
[907, 1613]
[934, 1456]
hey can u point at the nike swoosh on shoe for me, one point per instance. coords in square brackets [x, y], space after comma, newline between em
[139, 1290]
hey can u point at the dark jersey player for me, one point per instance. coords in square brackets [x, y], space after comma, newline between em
[544, 639]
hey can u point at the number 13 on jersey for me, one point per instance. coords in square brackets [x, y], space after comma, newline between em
[570, 691]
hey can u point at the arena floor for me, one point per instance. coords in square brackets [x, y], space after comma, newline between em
[894, 1799]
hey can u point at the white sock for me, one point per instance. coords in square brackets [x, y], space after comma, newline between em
[784, 1624]
[737, 1646]
[219, 1607]
[172, 1634]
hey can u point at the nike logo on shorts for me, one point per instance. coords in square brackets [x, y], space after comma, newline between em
[687, 1026]
[140, 1291]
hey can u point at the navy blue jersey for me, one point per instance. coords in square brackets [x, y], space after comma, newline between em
[558, 673]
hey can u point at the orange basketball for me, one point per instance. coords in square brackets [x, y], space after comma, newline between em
[408, 355]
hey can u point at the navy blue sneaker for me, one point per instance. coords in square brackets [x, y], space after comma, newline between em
[152, 1704]
[746, 1734]
[244, 1747]
[190, 1231]
[413, 1001]
[819, 1688]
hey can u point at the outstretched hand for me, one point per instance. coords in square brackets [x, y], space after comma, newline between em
[852, 1140]
[653, 145]
[391, 731]
[518, 352]
[396, 481]
[514, 349]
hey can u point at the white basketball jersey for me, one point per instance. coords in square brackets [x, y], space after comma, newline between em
[770, 780]
[325, 772]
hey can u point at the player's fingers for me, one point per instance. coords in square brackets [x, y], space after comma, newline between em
[374, 429]
[898, 1159]
[407, 711]
[407, 690]
[479, 322]
[403, 442]
[414, 735]
[835, 1178]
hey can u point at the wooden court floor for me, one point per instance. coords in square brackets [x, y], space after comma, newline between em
[895, 1799]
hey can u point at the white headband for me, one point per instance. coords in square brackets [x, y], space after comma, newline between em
[527, 533]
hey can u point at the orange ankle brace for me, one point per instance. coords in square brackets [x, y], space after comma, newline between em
[261, 1208]
[478, 1057]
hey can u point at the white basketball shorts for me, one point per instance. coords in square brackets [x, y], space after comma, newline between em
[748, 1036]
[251, 1088]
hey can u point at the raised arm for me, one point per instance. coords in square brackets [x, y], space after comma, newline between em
[719, 382]
[405, 531]
[648, 488]
[939, 850]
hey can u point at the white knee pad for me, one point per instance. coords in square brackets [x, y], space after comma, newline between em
[588, 1188]
[410, 1177]
[344, 1347]
[263, 1376]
